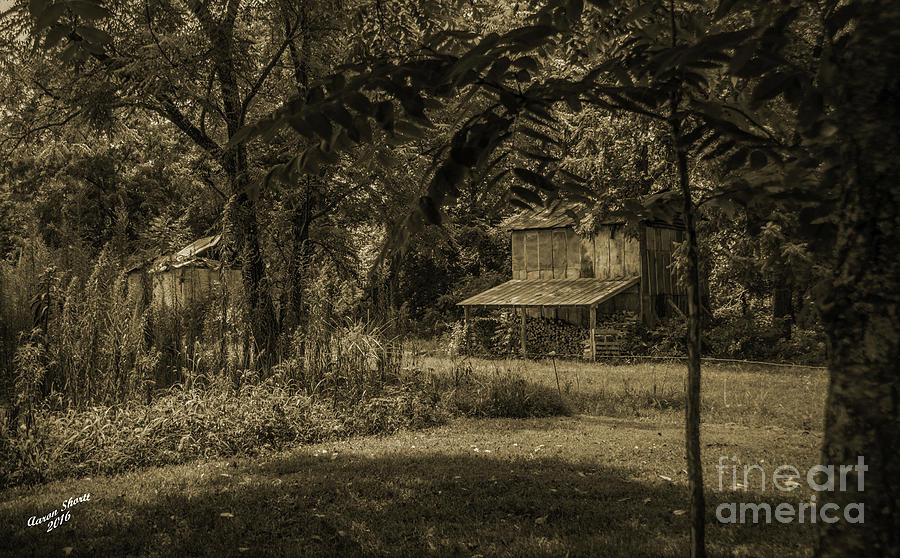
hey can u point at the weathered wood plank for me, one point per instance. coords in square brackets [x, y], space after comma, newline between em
[573, 251]
[615, 254]
[517, 239]
[601, 254]
[587, 256]
[545, 253]
[632, 259]
[531, 251]
[560, 253]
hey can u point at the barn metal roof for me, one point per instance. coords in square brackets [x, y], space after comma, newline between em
[193, 255]
[551, 292]
[560, 214]
[198, 247]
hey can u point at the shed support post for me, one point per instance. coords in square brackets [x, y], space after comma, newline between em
[594, 333]
[522, 332]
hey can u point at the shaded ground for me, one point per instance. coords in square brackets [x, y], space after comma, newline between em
[582, 486]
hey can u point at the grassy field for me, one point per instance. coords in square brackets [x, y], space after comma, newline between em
[748, 395]
[582, 485]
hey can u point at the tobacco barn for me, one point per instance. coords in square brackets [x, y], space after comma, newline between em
[560, 274]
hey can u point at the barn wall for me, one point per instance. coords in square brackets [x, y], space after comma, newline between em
[610, 253]
[176, 288]
[546, 254]
[615, 253]
[628, 300]
[659, 284]
[574, 315]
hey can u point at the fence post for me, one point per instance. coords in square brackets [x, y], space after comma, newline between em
[522, 332]
[594, 333]
[466, 335]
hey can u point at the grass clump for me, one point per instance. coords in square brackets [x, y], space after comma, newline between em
[505, 395]
[792, 397]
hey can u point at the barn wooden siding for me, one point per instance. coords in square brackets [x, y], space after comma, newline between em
[182, 286]
[546, 254]
[562, 254]
[659, 283]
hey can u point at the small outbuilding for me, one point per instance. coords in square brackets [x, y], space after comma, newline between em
[190, 275]
[560, 274]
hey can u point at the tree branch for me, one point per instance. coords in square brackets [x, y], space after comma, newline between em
[171, 112]
[28, 133]
[254, 89]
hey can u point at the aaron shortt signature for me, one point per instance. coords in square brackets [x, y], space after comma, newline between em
[59, 516]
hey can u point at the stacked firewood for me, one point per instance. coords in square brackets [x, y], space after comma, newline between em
[543, 336]
[498, 335]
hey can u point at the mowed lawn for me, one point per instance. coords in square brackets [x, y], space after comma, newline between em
[582, 485]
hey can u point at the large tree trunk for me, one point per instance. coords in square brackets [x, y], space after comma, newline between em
[261, 311]
[862, 322]
[245, 227]
[861, 312]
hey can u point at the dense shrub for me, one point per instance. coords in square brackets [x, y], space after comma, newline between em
[485, 336]
[737, 338]
[218, 420]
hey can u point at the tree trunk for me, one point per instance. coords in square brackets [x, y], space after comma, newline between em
[298, 258]
[862, 322]
[861, 312]
[692, 409]
[245, 226]
[261, 311]
[783, 301]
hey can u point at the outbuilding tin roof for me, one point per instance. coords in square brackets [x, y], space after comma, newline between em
[560, 214]
[551, 292]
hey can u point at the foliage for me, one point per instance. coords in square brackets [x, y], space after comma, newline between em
[215, 419]
[188, 423]
[485, 336]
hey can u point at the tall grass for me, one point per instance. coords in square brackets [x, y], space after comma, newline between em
[352, 357]
[182, 423]
[78, 337]
[215, 418]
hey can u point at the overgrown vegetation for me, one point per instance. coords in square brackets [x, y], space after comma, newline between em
[221, 418]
